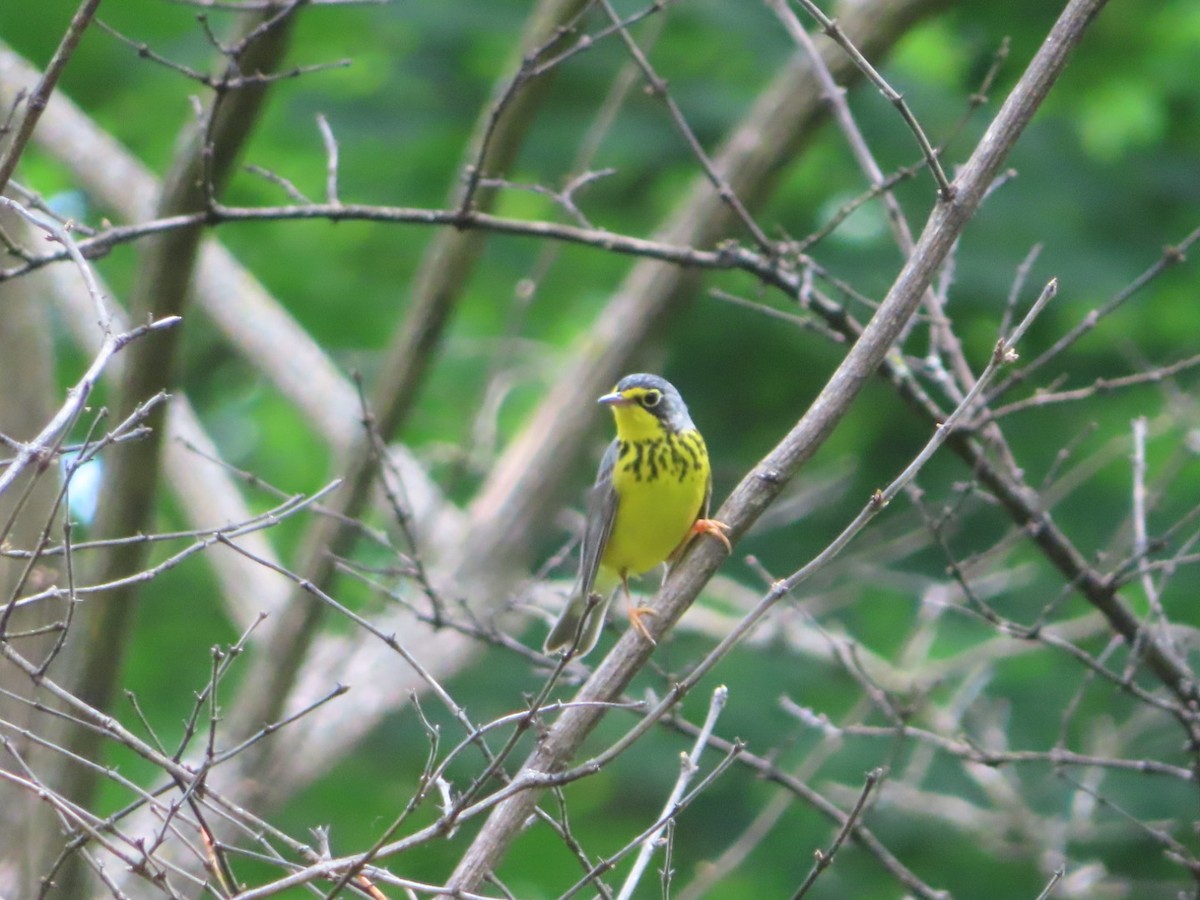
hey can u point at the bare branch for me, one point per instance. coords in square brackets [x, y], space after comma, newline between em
[765, 482]
[831, 28]
[36, 101]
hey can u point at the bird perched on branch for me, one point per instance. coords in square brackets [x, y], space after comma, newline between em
[651, 496]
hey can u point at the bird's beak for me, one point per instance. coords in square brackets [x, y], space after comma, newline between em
[614, 399]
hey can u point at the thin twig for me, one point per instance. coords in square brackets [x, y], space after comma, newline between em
[37, 100]
[331, 160]
[830, 27]
[689, 765]
[658, 87]
[824, 859]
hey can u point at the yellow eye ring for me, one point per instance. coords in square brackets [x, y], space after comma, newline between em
[651, 399]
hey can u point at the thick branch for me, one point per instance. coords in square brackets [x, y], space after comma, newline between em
[767, 479]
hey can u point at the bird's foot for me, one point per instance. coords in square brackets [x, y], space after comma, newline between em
[635, 619]
[716, 529]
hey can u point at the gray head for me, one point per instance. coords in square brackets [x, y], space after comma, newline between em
[655, 395]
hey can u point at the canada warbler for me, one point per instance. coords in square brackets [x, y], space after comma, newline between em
[651, 495]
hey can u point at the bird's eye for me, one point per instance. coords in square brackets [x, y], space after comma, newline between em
[651, 399]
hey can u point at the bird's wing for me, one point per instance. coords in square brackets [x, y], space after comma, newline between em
[703, 514]
[601, 513]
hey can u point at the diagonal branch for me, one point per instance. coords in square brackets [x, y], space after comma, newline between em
[515, 504]
[36, 102]
[768, 478]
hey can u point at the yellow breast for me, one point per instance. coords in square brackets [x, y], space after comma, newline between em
[661, 483]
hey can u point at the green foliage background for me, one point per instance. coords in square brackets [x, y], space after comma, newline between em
[1107, 176]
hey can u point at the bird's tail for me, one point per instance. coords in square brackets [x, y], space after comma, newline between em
[578, 627]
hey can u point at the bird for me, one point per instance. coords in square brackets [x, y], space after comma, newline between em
[650, 497]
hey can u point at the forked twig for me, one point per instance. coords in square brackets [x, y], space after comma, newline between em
[830, 27]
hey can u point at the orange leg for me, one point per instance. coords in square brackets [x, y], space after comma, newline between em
[636, 612]
[719, 530]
